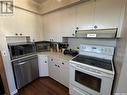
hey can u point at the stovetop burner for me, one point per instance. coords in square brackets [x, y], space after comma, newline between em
[93, 61]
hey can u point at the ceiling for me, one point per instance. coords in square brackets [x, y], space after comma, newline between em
[39, 1]
[42, 1]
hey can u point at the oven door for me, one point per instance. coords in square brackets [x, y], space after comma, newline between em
[17, 51]
[91, 82]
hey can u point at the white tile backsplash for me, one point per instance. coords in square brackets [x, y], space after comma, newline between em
[17, 39]
[75, 42]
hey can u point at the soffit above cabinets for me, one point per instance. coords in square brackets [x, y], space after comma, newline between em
[42, 7]
[51, 5]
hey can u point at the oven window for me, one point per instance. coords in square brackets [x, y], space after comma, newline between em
[21, 50]
[88, 80]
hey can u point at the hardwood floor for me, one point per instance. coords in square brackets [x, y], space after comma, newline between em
[44, 86]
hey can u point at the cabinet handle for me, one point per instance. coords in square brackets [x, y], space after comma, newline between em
[63, 63]
[77, 28]
[55, 65]
[51, 59]
[45, 61]
[16, 34]
[95, 27]
[58, 66]
[20, 34]
[73, 34]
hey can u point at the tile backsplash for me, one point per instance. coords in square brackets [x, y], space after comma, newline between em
[17, 39]
[74, 43]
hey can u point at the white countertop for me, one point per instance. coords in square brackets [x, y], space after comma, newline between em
[52, 54]
[56, 54]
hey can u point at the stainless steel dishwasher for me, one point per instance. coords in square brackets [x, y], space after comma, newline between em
[25, 70]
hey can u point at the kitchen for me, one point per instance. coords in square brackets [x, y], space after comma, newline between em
[60, 22]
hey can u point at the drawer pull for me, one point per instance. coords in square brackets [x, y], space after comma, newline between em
[55, 65]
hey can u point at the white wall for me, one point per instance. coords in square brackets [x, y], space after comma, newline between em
[75, 42]
[121, 59]
[122, 85]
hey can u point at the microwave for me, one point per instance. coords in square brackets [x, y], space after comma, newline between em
[18, 50]
[42, 46]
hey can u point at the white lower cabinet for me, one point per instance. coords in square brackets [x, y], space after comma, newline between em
[54, 67]
[54, 71]
[43, 65]
[59, 70]
[64, 72]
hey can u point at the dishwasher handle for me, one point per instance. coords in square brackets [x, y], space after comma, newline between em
[22, 63]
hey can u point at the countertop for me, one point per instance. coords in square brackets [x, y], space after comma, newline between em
[52, 54]
[56, 55]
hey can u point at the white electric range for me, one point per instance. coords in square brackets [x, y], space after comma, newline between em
[92, 71]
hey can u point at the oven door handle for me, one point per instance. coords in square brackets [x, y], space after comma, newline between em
[22, 63]
[93, 73]
[78, 91]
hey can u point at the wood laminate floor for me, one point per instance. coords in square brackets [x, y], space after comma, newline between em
[44, 86]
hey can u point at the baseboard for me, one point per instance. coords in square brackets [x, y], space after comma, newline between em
[14, 92]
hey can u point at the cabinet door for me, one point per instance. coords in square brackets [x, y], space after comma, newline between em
[68, 22]
[54, 68]
[25, 22]
[52, 27]
[43, 65]
[85, 15]
[56, 26]
[107, 13]
[64, 73]
[46, 27]
[37, 33]
[51, 66]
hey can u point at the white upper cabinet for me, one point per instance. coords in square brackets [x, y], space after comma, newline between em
[52, 27]
[46, 27]
[37, 33]
[23, 23]
[68, 22]
[108, 13]
[100, 13]
[56, 26]
[85, 15]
